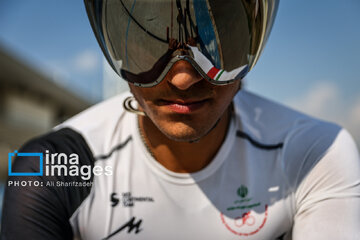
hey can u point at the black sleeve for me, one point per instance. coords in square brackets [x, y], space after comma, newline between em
[43, 212]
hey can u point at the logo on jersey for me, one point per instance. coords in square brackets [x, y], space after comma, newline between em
[114, 200]
[242, 191]
[245, 217]
[131, 225]
[127, 199]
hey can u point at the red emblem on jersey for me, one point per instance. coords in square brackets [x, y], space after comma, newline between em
[246, 224]
[245, 217]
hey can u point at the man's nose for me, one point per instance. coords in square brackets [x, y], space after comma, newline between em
[183, 75]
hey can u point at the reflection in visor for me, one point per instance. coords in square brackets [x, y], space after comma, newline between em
[206, 32]
[215, 73]
[142, 39]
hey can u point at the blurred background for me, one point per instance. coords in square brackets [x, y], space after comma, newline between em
[51, 66]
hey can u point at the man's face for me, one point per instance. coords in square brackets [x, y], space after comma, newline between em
[184, 106]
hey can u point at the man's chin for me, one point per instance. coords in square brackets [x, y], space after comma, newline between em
[183, 137]
[184, 133]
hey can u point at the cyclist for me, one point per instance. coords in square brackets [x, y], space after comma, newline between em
[191, 154]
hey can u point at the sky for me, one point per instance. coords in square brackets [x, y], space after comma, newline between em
[311, 61]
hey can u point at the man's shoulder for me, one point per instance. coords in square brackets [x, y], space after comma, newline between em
[105, 111]
[305, 141]
[271, 122]
[100, 123]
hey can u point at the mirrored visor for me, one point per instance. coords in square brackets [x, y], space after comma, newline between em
[141, 39]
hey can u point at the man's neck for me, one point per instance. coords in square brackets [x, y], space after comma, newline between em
[184, 157]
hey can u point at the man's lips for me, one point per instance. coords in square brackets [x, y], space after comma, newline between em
[183, 106]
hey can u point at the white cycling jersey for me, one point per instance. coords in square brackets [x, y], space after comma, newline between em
[279, 174]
